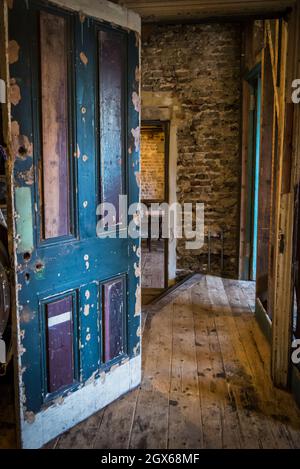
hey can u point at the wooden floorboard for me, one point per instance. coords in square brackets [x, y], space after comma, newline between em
[150, 427]
[185, 423]
[206, 380]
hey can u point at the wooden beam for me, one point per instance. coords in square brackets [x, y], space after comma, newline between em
[266, 175]
[274, 58]
[180, 10]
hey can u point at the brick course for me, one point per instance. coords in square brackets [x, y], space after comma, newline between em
[152, 164]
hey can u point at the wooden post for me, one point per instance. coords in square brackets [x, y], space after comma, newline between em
[283, 217]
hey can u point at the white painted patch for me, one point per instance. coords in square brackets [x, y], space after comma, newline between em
[81, 404]
[59, 319]
[86, 310]
[87, 294]
[85, 204]
[77, 154]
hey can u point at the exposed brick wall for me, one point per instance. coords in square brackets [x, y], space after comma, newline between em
[200, 65]
[152, 164]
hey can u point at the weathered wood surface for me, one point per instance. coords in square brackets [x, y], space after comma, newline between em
[54, 125]
[174, 10]
[206, 380]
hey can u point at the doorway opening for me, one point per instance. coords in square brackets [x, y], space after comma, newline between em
[154, 192]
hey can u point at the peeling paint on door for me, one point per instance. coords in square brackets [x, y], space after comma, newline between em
[24, 219]
[13, 52]
[14, 92]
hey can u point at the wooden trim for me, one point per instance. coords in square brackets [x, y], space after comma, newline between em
[171, 289]
[263, 320]
[273, 54]
[165, 126]
[282, 259]
[178, 11]
[295, 173]
[104, 11]
[282, 318]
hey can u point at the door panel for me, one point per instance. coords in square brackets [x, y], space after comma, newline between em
[54, 111]
[113, 314]
[75, 143]
[111, 91]
[60, 340]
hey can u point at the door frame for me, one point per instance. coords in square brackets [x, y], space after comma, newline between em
[165, 125]
[253, 78]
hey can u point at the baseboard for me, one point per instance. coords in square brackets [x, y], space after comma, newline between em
[263, 320]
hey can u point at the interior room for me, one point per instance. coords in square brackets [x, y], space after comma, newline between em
[149, 224]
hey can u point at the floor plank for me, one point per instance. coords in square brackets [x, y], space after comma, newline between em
[150, 427]
[185, 424]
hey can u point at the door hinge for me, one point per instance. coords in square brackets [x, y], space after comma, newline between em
[281, 243]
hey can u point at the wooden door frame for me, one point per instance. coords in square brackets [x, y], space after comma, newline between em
[281, 43]
[251, 78]
[165, 125]
[284, 53]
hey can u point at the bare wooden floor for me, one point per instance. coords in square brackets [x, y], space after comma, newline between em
[206, 380]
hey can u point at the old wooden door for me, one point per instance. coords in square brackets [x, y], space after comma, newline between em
[74, 87]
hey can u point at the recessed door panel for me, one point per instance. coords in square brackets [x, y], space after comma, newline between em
[55, 137]
[111, 91]
[90, 325]
[113, 318]
[60, 343]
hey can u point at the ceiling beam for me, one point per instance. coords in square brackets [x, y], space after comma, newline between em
[164, 11]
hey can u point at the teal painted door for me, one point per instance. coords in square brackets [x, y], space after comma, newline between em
[75, 128]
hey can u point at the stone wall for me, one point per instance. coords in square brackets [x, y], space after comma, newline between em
[152, 164]
[200, 65]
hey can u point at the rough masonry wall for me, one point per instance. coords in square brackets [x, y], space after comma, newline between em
[200, 65]
[152, 164]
